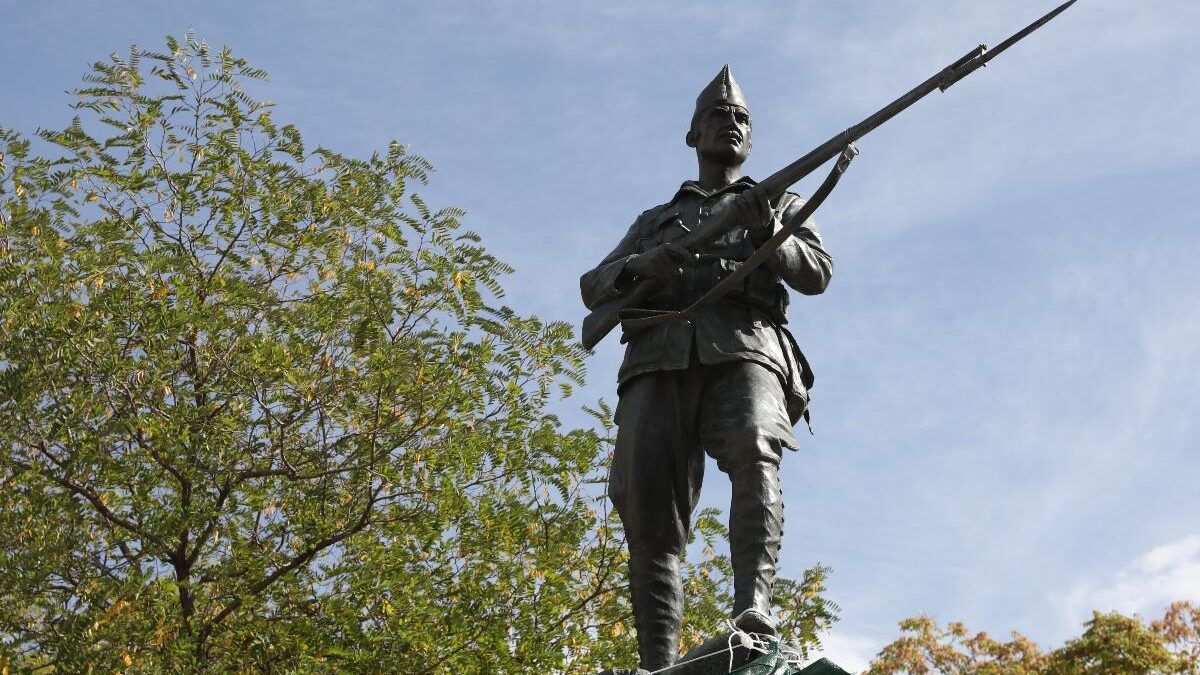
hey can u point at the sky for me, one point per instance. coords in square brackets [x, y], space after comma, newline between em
[1008, 357]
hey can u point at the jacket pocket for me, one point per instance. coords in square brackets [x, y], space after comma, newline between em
[645, 347]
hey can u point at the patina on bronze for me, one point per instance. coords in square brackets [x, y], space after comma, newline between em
[699, 285]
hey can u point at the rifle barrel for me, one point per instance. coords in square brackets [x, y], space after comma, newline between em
[781, 180]
[604, 318]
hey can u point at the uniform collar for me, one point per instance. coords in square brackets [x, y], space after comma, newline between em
[743, 183]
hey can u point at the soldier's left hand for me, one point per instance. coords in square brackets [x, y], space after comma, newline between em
[754, 212]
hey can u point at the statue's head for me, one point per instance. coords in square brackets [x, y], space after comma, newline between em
[720, 130]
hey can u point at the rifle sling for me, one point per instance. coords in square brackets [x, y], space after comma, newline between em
[634, 319]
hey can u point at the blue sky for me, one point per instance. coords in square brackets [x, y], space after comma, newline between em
[1008, 358]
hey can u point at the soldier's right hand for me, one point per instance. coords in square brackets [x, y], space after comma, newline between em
[662, 262]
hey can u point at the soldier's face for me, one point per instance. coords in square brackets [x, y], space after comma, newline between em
[722, 135]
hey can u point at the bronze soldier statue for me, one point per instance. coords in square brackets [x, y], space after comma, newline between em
[697, 285]
[730, 383]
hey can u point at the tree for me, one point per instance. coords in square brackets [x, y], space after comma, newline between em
[926, 648]
[1180, 631]
[262, 410]
[1112, 644]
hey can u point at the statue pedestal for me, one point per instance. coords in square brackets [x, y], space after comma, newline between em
[713, 658]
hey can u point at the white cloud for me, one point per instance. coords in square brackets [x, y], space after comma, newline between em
[1146, 586]
[852, 652]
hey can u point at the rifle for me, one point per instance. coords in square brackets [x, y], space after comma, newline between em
[604, 318]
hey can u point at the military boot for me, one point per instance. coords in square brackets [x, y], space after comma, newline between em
[657, 607]
[755, 532]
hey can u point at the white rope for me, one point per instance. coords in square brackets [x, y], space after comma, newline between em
[754, 642]
[795, 659]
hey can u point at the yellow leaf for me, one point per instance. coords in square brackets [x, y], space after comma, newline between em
[93, 198]
[127, 659]
[20, 190]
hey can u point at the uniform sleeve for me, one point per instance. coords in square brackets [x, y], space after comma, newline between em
[801, 261]
[599, 285]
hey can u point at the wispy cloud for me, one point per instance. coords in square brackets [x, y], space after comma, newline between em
[1145, 586]
[852, 652]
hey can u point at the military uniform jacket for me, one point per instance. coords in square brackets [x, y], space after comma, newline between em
[746, 324]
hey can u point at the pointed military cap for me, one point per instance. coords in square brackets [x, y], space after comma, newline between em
[723, 89]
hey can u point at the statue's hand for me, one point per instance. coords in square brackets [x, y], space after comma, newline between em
[753, 211]
[661, 262]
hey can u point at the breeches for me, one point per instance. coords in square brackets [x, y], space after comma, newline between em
[667, 421]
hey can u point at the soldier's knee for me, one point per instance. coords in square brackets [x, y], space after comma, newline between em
[619, 495]
[748, 449]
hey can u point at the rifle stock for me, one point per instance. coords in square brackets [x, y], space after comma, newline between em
[604, 318]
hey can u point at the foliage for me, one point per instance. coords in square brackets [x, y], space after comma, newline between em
[262, 411]
[927, 648]
[1112, 644]
[1180, 632]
